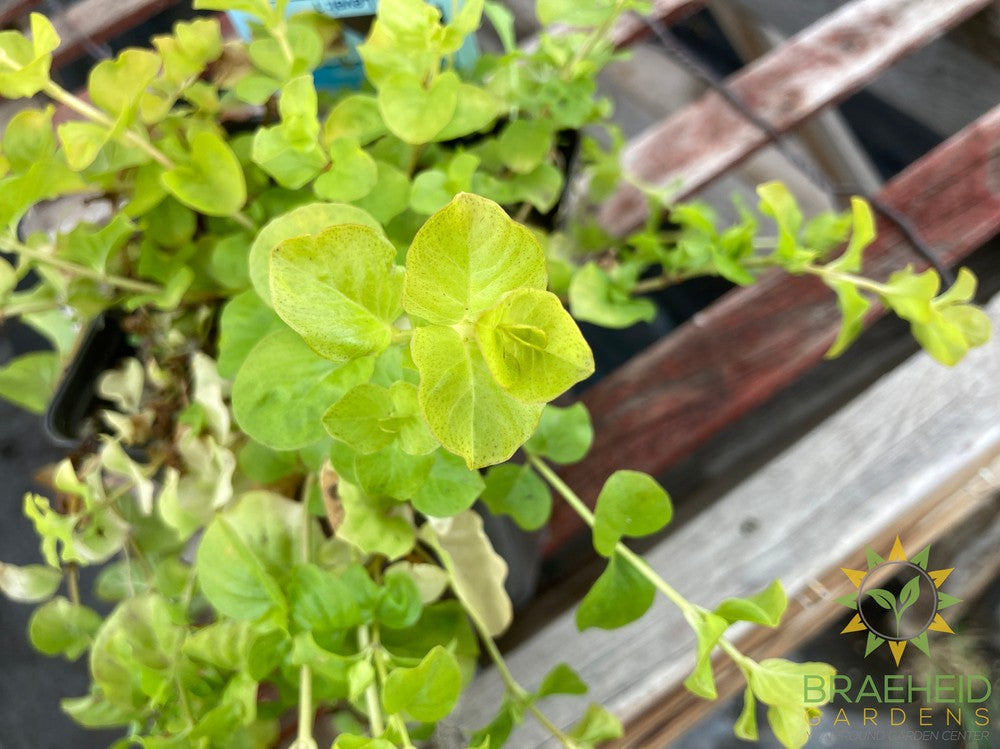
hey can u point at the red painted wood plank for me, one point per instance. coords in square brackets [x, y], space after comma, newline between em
[631, 29]
[666, 402]
[814, 69]
[15, 8]
[100, 20]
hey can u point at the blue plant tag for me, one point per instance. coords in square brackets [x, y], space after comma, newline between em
[346, 70]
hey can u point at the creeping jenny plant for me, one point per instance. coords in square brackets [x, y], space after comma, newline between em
[336, 327]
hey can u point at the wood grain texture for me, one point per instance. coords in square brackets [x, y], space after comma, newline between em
[816, 68]
[672, 397]
[13, 9]
[631, 29]
[100, 20]
[898, 458]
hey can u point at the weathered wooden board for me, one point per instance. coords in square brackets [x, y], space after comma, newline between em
[13, 9]
[631, 29]
[754, 341]
[99, 20]
[814, 69]
[962, 68]
[903, 457]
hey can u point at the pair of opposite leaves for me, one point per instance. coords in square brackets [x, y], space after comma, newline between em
[492, 346]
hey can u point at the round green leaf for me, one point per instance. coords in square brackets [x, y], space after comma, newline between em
[212, 180]
[449, 489]
[354, 116]
[320, 601]
[399, 606]
[426, 692]
[306, 219]
[339, 290]
[463, 404]
[284, 387]
[532, 346]
[564, 435]
[619, 596]
[244, 322]
[414, 112]
[375, 525]
[465, 258]
[63, 628]
[518, 491]
[29, 584]
[352, 173]
[630, 504]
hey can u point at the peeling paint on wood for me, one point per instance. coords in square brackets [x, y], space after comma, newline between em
[814, 69]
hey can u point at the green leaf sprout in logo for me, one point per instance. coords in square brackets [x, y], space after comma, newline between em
[908, 628]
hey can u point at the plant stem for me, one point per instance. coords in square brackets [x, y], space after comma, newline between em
[395, 720]
[243, 220]
[80, 271]
[95, 115]
[73, 582]
[371, 693]
[518, 692]
[640, 564]
[860, 281]
[305, 738]
[27, 308]
[514, 689]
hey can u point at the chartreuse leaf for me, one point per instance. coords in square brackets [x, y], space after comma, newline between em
[390, 196]
[426, 692]
[29, 584]
[30, 380]
[244, 322]
[630, 504]
[516, 490]
[910, 294]
[135, 652]
[232, 577]
[596, 726]
[390, 472]
[63, 628]
[746, 725]
[290, 152]
[375, 525]
[465, 258]
[524, 144]
[532, 346]
[708, 628]
[619, 596]
[415, 112]
[370, 418]
[764, 608]
[320, 601]
[475, 110]
[475, 570]
[777, 202]
[561, 680]
[283, 387]
[352, 173]
[450, 487]
[339, 290]
[307, 219]
[223, 644]
[465, 407]
[779, 684]
[94, 711]
[955, 325]
[399, 604]
[854, 307]
[594, 297]
[212, 180]
[564, 435]
[863, 234]
[116, 86]
[24, 63]
[355, 116]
